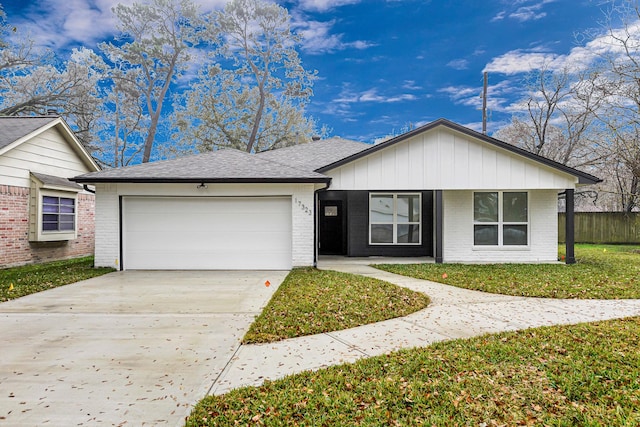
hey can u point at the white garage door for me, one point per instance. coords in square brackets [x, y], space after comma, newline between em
[206, 233]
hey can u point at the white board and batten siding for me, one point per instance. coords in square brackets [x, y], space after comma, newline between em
[444, 159]
[47, 153]
[225, 226]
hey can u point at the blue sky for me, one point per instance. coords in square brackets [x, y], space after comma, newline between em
[384, 65]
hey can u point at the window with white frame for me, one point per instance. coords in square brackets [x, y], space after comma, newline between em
[500, 218]
[395, 218]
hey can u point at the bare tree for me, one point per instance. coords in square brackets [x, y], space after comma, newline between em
[618, 80]
[220, 111]
[258, 103]
[560, 119]
[122, 133]
[16, 52]
[33, 82]
[152, 52]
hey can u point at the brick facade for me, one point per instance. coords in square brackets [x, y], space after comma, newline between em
[458, 231]
[15, 248]
[302, 227]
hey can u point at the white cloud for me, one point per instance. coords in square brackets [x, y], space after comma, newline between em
[499, 16]
[517, 62]
[348, 96]
[530, 12]
[324, 5]
[497, 96]
[317, 37]
[520, 61]
[58, 24]
[372, 95]
[458, 64]
[360, 44]
[580, 57]
[411, 85]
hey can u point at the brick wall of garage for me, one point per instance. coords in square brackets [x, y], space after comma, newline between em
[302, 226]
[15, 248]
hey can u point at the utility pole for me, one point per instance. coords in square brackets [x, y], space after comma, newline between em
[484, 102]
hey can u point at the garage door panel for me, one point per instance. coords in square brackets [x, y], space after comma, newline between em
[153, 242]
[207, 233]
[206, 224]
[196, 260]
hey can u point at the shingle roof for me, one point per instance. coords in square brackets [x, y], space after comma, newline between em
[14, 128]
[56, 181]
[299, 163]
[314, 155]
[226, 165]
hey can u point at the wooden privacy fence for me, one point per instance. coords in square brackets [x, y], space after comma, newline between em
[603, 227]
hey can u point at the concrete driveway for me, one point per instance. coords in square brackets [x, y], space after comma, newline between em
[132, 348]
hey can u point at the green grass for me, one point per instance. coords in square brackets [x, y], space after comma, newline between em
[311, 301]
[34, 278]
[581, 375]
[601, 272]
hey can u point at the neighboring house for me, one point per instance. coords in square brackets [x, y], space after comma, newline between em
[441, 191]
[43, 215]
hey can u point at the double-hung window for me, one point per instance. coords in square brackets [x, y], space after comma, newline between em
[58, 214]
[395, 218]
[500, 218]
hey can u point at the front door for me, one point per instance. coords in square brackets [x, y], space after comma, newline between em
[332, 228]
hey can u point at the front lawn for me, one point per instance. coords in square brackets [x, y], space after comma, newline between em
[29, 279]
[311, 301]
[601, 272]
[580, 375]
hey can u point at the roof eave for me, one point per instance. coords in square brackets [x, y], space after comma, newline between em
[589, 180]
[89, 180]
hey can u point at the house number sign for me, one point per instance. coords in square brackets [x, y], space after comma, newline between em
[303, 207]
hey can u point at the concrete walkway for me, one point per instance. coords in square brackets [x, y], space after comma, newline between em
[454, 313]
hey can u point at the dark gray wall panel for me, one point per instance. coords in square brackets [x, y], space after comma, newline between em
[357, 210]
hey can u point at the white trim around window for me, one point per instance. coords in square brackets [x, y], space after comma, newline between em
[501, 219]
[395, 219]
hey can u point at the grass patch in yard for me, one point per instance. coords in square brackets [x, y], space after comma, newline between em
[581, 375]
[601, 272]
[311, 301]
[29, 279]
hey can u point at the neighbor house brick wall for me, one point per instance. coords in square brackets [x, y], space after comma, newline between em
[15, 248]
[458, 230]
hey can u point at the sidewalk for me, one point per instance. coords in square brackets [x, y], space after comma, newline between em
[453, 313]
